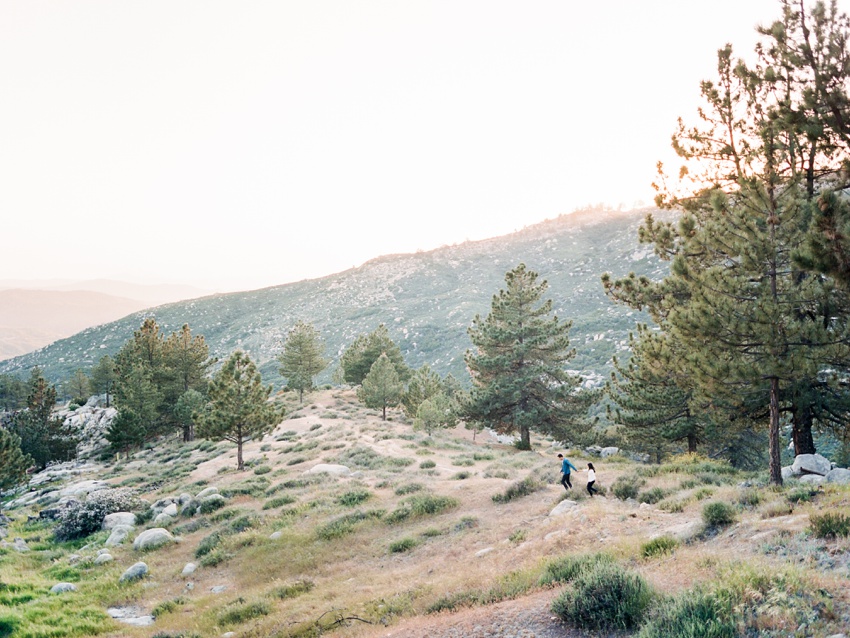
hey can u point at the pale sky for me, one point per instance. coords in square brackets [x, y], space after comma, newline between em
[236, 145]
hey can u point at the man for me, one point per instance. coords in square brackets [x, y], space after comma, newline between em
[565, 472]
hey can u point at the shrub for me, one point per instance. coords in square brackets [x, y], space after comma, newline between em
[461, 476]
[354, 498]
[343, 525]
[695, 614]
[79, 519]
[409, 488]
[777, 508]
[526, 486]
[427, 465]
[215, 557]
[658, 546]
[242, 612]
[565, 569]
[280, 501]
[718, 514]
[627, 487]
[421, 505]
[402, 545]
[802, 494]
[291, 591]
[211, 503]
[652, 495]
[207, 544]
[517, 536]
[749, 498]
[262, 469]
[604, 597]
[242, 523]
[830, 525]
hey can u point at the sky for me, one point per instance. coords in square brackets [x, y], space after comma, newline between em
[238, 145]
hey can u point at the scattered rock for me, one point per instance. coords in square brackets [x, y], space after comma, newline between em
[20, 545]
[61, 588]
[163, 519]
[130, 616]
[685, 531]
[206, 492]
[139, 570]
[275, 535]
[563, 507]
[811, 464]
[812, 479]
[839, 475]
[609, 451]
[329, 468]
[152, 538]
[218, 589]
[788, 472]
[483, 552]
[189, 569]
[74, 558]
[184, 498]
[111, 521]
[190, 508]
[171, 510]
[119, 535]
[103, 558]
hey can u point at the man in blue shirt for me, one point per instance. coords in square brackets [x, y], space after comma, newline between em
[565, 472]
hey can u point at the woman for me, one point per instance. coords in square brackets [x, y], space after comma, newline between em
[591, 479]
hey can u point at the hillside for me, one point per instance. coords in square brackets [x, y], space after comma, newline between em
[426, 299]
[415, 536]
[31, 319]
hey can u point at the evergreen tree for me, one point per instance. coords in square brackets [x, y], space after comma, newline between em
[517, 367]
[382, 388]
[357, 360]
[239, 406]
[43, 436]
[437, 411]
[302, 358]
[77, 388]
[13, 462]
[13, 393]
[138, 401]
[423, 384]
[189, 406]
[104, 377]
[185, 362]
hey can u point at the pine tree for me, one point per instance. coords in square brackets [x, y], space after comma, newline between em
[138, 401]
[184, 365]
[437, 411]
[423, 384]
[357, 360]
[77, 388]
[13, 462]
[382, 388]
[239, 406]
[104, 377]
[302, 358]
[518, 365]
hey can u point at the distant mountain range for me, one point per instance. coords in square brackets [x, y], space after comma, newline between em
[36, 313]
[426, 299]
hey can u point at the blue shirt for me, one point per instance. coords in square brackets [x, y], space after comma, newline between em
[566, 465]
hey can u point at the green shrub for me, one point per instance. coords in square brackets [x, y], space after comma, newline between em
[658, 546]
[652, 495]
[167, 607]
[354, 498]
[626, 487]
[830, 525]
[566, 568]
[344, 525]
[280, 501]
[79, 519]
[749, 498]
[402, 545]
[604, 597]
[463, 462]
[703, 493]
[409, 488]
[291, 591]
[207, 544]
[802, 494]
[211, 503]
[526, 486]
[215, 557]
[517, 536]
[695, 614]
[421, 505]
[243, 523]
[262, 469]
[467, 522]
[461, 476]
[718, 514]
[243, 612]
[672, 506]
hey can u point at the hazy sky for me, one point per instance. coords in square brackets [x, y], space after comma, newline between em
[236, 145]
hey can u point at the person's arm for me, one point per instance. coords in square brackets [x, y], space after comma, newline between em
[572, 466]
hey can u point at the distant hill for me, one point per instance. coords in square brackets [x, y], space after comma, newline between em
[148, 294]
[30, 319]
[426, 299]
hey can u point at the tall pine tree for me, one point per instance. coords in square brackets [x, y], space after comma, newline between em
[302, 358]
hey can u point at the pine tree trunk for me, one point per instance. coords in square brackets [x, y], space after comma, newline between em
[385, 412]
[804, 442]
[692, 443]
[525, 438]
[775, 462]
[239, 464]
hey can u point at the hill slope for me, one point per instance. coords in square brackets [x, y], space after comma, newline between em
[427, 300]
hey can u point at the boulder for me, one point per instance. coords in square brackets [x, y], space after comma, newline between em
[685, 531]
[152, 538]
[119, 535]
[211, 502]
[788, 472]
[189, 569]
[218, 589]
[329, 468]
[206, 492]
[838, 475]
[139, 570]
[275, 535]
[811, 464]
[171, 510]
[20, 545]
[184, 498]
[812, 479]
[563, 507]
[191, 508]
[83, 488]
[163, 519]
[61, 588]
[609, 451]
[111, 521]
[103, 558]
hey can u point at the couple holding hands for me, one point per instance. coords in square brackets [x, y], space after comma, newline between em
[566, 466]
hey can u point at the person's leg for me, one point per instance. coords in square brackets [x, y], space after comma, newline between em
[567, 479]
[590, 487]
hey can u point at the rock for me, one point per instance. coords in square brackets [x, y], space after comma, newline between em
[152, 538]
[61, 588]
[191, 508]
[483, 552]
[812, 479]
[211, 502]
[163, 519]
[329, 468]
[130, 616]
[189, 569]
[50, 514]
[139, 570]
[811, 464]
[206, 492]
[228, 634]
[83, 488]
[563, 507]
[275, 535]
[111, 521]
[119, 535]
[788, 472]
[171, 510]
[838, 475]
[609, 451]
[218, 589]
[184, 498]
[102, 551]
[20, 545]
[74, 558]
[684, 531]
[103, 558]
[593, 450]
[837, 636]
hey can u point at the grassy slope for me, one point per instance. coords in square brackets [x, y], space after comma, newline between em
[426, 299]
[342, 546]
